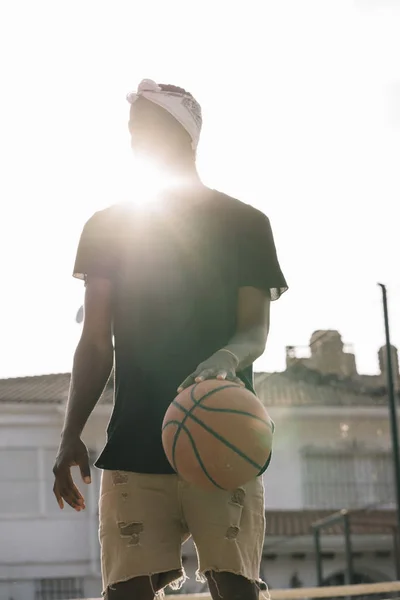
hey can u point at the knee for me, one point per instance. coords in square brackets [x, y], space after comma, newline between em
[142, 588]
[138, 588]
[229, 586]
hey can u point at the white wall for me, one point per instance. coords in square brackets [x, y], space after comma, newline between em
[38, 540]
[46, 542]
[297, 428]
[17, 590]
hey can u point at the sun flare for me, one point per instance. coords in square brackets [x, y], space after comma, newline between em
[147, 181]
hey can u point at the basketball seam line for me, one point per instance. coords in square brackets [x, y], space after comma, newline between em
[234, 411]
[271, 424]
[181, 425]
[210, 393]
[176, 436]
[177, 432]
[217, 435]
[196, 452]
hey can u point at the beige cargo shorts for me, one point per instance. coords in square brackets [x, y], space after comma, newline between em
[145, 519]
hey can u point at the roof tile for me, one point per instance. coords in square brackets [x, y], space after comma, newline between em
[42, 389]
[302, 388]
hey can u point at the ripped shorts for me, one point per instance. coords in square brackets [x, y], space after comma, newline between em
[145, 519]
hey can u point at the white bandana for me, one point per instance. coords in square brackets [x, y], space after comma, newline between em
[183, 107]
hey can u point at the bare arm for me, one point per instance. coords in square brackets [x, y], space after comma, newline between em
[246, 345]
[259, 281]
[92, 366]
[253, 318]
[93, 358]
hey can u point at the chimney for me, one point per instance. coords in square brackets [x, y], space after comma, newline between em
[382, 357]
[327, 355]
[291, 358]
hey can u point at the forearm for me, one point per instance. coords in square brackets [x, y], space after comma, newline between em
[90, 373]
[247, 346]
[240, 352]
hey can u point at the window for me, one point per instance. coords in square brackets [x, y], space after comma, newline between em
[59, 589]
[19, 476]
[346, 479]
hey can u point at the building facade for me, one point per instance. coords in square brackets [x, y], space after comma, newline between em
[332, 451]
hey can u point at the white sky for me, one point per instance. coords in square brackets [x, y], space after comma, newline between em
[301, 101]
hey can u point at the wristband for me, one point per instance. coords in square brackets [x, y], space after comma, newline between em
[232, 354]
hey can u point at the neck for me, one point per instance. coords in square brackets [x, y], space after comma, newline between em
[165, 175]
[182, 173]
[184, 169]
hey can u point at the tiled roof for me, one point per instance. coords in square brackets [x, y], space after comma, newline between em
[286, 389]
[38, 389]
[42, 389]
[289, 388]
[288, 523]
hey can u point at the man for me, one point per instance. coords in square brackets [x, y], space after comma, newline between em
[183, 288]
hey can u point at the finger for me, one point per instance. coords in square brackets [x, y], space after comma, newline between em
[73, 497]
[57, 494]
[222, 375]
[206, 374]
[69, 491]
[185, 384]
[84, 468]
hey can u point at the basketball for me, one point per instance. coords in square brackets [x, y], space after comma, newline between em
[217, 434]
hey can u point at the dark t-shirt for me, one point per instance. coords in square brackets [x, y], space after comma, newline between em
[176, 268]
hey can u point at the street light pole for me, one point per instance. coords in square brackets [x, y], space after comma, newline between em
[392, 409]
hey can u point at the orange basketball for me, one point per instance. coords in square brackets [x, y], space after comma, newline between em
[217, 434]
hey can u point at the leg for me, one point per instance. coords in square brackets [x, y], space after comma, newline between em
[228, 530]
[141, 588]
[140, 534]
[230, 586]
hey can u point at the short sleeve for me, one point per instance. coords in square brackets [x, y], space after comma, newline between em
[258, 262]
[97, 248]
